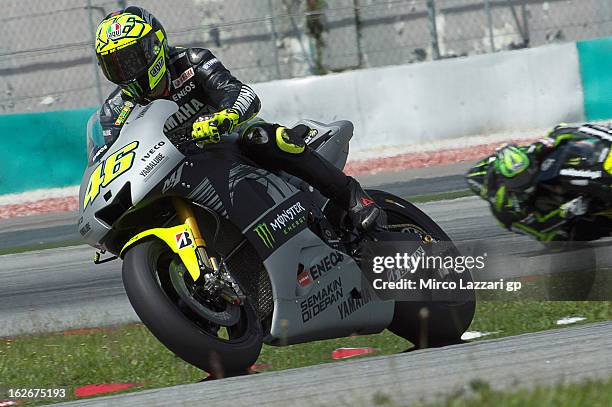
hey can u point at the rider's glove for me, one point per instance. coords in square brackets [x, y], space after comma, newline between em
[575, 207]
[209, 128]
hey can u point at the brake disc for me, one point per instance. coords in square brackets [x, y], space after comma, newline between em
[228, 317]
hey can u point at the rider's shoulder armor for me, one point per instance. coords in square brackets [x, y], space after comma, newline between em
[197, 55]
[201, 59]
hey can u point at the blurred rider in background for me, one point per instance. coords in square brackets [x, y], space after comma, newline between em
[133, 52]
[507, 178]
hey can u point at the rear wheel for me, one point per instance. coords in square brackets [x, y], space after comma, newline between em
[220, 338]
[426, 324]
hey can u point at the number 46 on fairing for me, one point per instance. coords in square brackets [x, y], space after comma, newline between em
[111, 168]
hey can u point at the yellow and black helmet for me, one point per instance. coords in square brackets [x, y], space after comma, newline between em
[131, 48]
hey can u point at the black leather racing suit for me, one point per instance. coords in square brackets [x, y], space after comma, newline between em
[515, 209]
[200, 84]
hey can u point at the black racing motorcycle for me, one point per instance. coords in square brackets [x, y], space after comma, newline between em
[220, 256]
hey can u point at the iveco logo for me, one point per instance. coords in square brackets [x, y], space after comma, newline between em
[157, 67]
[150, 153]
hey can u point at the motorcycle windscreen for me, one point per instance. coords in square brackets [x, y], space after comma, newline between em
[97, 144]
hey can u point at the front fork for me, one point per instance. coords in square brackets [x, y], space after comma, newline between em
[185, 215]
[211, 274]
[185, 239]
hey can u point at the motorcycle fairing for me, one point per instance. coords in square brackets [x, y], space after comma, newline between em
[154, 157]
[576, 166]
[331, 141]
[219, 178]
[318, 311]
[288, 247]
[179, 239]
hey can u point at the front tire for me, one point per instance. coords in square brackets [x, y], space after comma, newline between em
[425, 324]
[179, 330]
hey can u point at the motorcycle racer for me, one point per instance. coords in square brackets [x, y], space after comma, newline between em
[507, 180]
[133, 52]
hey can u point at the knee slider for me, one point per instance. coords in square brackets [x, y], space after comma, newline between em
[290, 140]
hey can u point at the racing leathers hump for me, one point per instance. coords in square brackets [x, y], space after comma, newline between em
[199, 84]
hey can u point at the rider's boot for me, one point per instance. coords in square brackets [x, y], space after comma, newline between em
[363, 212]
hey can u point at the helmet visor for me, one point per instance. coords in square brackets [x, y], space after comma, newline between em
[129, 63]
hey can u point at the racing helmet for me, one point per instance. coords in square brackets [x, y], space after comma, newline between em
[132, 49]
[513, 167]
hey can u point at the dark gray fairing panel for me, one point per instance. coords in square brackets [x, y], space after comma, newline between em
[327, 304]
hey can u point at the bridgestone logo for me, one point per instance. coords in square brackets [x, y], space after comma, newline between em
[263, 231]
[287, 216]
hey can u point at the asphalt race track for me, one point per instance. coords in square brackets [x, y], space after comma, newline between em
[58, 289]
[548, 357]
[61, 288]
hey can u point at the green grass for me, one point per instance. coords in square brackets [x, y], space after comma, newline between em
[440, 196]
[132, 354]
[517, 317]
[591, 285]
[592, 393]
[42, 246]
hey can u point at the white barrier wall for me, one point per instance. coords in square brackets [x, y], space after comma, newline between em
[408, 104]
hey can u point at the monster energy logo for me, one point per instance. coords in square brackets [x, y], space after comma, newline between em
[263, 231]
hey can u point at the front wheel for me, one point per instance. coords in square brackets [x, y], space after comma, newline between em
[209, 345]
[425, 324]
